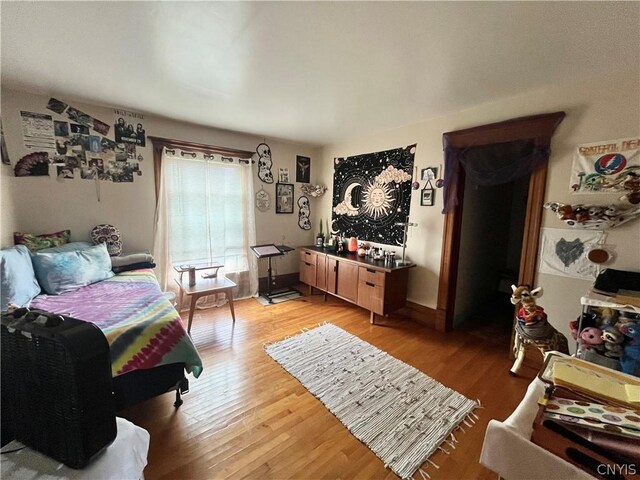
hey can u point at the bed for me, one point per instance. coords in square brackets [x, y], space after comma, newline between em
[150, 348]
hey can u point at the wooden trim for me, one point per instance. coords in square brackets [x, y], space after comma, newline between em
[199, 147]
[535, 126]
[418, 313]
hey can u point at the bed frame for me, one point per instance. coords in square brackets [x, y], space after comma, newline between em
[140, 385]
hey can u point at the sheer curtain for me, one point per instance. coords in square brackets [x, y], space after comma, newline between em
[205, 214]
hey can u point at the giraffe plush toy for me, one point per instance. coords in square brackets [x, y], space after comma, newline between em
[532, 327]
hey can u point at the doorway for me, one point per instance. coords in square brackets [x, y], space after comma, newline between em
[489, 259]
[536, 130]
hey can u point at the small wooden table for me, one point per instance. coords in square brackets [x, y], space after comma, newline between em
[204, 287]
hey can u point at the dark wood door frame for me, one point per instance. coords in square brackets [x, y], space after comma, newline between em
[537, 126]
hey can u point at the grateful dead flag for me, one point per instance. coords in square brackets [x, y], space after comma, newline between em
[602, 167]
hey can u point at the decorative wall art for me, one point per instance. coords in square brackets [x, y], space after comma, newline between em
[303, 169]
[129, 129]
[313, 190]
[603, 167]
[283, 175]
[564, 253]
[427, 197]
[371, 192]
[264, 163]
[76, 141]
[263, 202]
[594, 217]
[37, 131]
[304, 212]
[429, 174]
[284, 198]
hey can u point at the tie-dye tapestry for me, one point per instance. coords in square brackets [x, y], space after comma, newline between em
[605, 167]
[371, 192]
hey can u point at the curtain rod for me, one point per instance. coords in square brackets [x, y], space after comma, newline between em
[160, 143]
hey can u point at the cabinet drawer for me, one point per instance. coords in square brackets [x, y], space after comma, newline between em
[371, 276]
[307, 256]
[308, 273]
[371, 297]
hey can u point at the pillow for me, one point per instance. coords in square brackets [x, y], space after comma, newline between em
[65, 271]
[67, 247]
[18, 284]
[38, 242]
[134, 261]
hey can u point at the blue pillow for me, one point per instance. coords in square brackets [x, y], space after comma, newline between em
[67, 247]
[18, 283]
[65, 271]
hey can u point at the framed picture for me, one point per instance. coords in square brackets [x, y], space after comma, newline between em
[429, 173]
[426, 200]
[303, 169]
[284, 198]
[283, 175]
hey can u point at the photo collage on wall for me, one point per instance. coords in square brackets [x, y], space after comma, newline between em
[371, 193]
[77, 144]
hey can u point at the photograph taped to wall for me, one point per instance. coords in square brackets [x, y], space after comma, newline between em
[61, 129]
[64, 172]
[129, 128]
[564, 252]
[283, 175]
[603, 167]
[80, 117]
[57, 106]
[3, 147]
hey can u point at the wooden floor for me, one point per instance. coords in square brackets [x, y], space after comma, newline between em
[245, 417]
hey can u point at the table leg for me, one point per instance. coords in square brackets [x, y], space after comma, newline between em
[192, 309]
[230, 298]
[181, 300]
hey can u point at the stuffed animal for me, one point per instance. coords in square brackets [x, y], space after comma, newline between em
[581, 213]
[529, 313]
[630, 359]
[613, 339]
[591, 336]
[565, 212]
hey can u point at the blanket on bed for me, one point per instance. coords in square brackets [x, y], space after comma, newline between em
[141, 325]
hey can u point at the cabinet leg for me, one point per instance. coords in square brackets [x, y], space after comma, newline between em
[372, 318]
[325, 296]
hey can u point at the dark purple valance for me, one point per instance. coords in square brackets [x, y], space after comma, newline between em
[496, 153]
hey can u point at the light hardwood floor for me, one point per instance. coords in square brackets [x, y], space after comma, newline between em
[245, 417]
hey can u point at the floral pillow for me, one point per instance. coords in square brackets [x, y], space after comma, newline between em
[38, 242]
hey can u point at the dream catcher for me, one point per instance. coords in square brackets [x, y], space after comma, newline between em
[263, 202]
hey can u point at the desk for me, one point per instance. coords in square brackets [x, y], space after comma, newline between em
[124, 459]
[204, 287]
[269, 251]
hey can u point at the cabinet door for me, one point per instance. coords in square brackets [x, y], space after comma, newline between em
[348, 281]
[321, 272]
[332, 274]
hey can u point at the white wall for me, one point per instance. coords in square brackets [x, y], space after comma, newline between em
[45, 204]
[598, 108]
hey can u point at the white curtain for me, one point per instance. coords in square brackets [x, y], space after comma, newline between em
[205, 213]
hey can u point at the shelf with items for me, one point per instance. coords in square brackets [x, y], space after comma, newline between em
[607, 333]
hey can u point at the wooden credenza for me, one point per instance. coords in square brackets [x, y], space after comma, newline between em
[370, 284]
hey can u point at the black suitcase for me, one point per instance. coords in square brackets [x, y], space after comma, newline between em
[56, 385]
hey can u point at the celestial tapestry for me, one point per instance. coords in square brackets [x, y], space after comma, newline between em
[604, 167]
[371, 192]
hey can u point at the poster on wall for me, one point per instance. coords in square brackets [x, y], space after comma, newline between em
[371, 192]
[564, 252]
[3, 148]
[37, 131]
[129, 128]
[603, 167]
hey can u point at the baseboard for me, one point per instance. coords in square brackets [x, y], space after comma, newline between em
[418, 313]
[280, 281]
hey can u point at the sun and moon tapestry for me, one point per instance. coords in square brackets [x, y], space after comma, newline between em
[371, 193]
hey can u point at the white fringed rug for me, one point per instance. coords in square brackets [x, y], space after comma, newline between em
[400, 413]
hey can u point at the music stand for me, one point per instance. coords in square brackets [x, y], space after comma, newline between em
[269, 251]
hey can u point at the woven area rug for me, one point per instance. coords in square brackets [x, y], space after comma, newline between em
[400, 413]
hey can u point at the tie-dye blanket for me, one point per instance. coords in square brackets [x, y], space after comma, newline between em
[143, 328]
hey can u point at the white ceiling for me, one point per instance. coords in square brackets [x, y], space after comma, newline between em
[312, 72]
